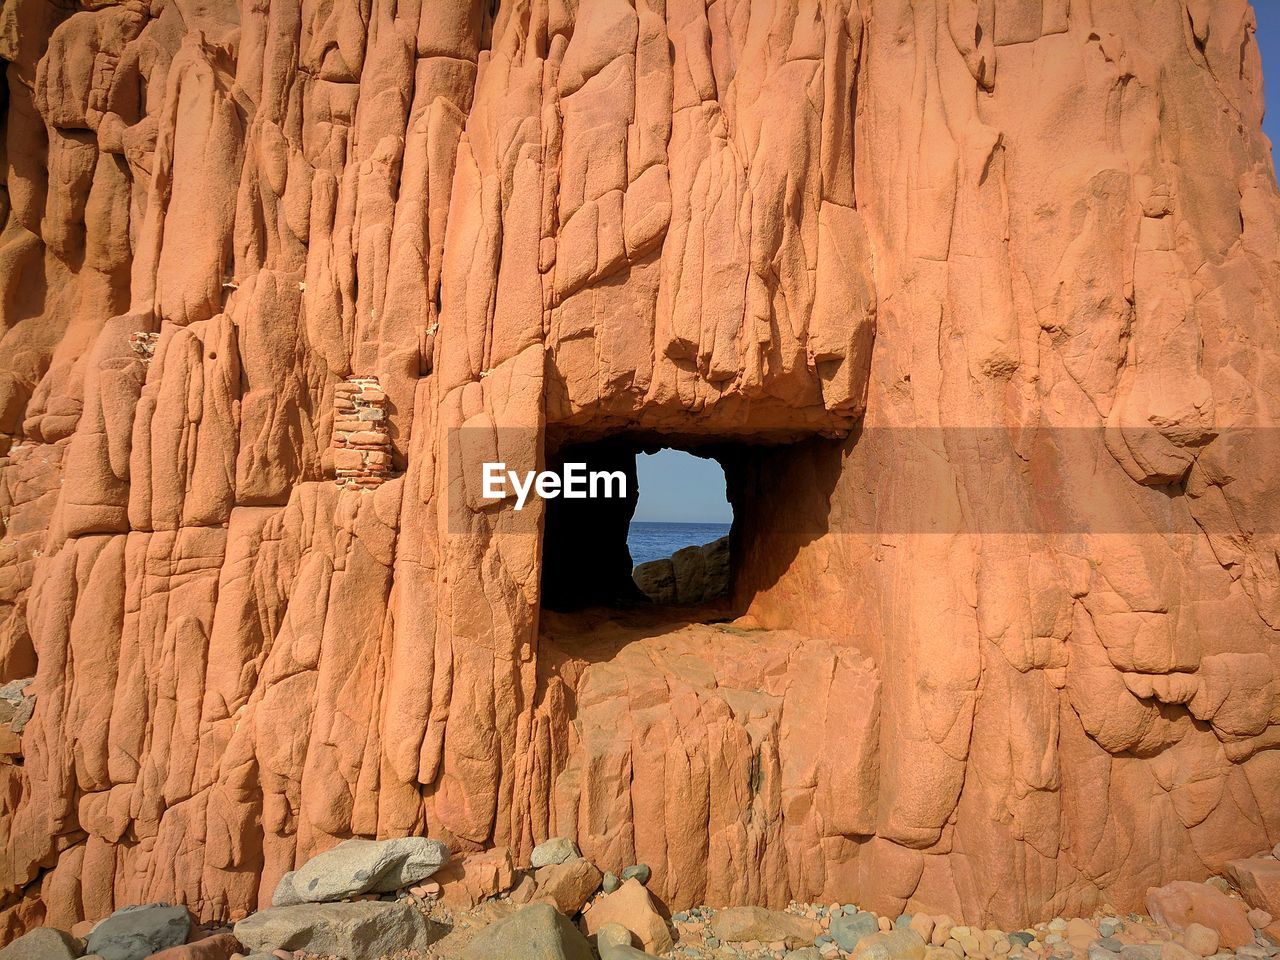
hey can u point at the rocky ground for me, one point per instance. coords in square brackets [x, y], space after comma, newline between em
[405, 899]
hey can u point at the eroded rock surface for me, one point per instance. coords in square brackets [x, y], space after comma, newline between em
[1004, 276]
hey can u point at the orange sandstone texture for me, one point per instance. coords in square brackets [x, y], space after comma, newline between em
[548, 222]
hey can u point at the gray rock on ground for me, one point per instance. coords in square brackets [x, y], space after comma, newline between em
[555, 850]
[804, 953]
[42, 943]
[535, 932]
[367, 928]
[361, 866]
[848, 929]
[132, 933]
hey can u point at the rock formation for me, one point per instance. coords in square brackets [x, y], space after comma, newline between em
[976, 302]
[695, 574]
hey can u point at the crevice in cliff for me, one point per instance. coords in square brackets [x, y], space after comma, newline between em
[695, 568]
[587, 560]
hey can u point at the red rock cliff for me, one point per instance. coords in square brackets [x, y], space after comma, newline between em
[972, 268]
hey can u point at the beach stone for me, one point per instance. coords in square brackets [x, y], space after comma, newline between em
[891, 945]
[922, 924]
[1258, 880]
[555, 850]
[524, 891]
[1080, 932]
[42, 943]
[742, 924]
[468, 879]
[632, 906]
[366, 928]
[567, 886]
[221, 946]
[613, 942]
[1140, 951]
[1022, 937]
[1200, 940]
[1097, 951]
[804, 953]
[1178, 904]
[942, 925]
[361, 866]
[1109, 926]
[132, 933]
[610, 883]
[1176, 951]
[638, 871]
[847, 930]
[535, 932]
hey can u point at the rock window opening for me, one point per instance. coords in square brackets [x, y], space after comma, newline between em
[679, 533]
[665, 543]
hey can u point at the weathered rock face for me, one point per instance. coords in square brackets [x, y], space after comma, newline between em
[278, 277]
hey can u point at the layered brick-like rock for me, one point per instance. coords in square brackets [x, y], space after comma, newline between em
[361, 446]
[973, 271]
[143, 344]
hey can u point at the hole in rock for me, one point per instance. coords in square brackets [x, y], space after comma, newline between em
[667, 542]
[679, 534]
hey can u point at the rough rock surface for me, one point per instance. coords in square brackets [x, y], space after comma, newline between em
[42, 943]
[360, 866]
[757, 923]
[1258, 880]
[631, 907]
[367, 928]
[1022, 618]
[221, 946]
[554, 851]
[1182, 904]
[567, 886]
[536, 932]
[696, 574]
[133, 933]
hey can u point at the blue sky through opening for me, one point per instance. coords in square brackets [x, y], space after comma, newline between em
[677, 487]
